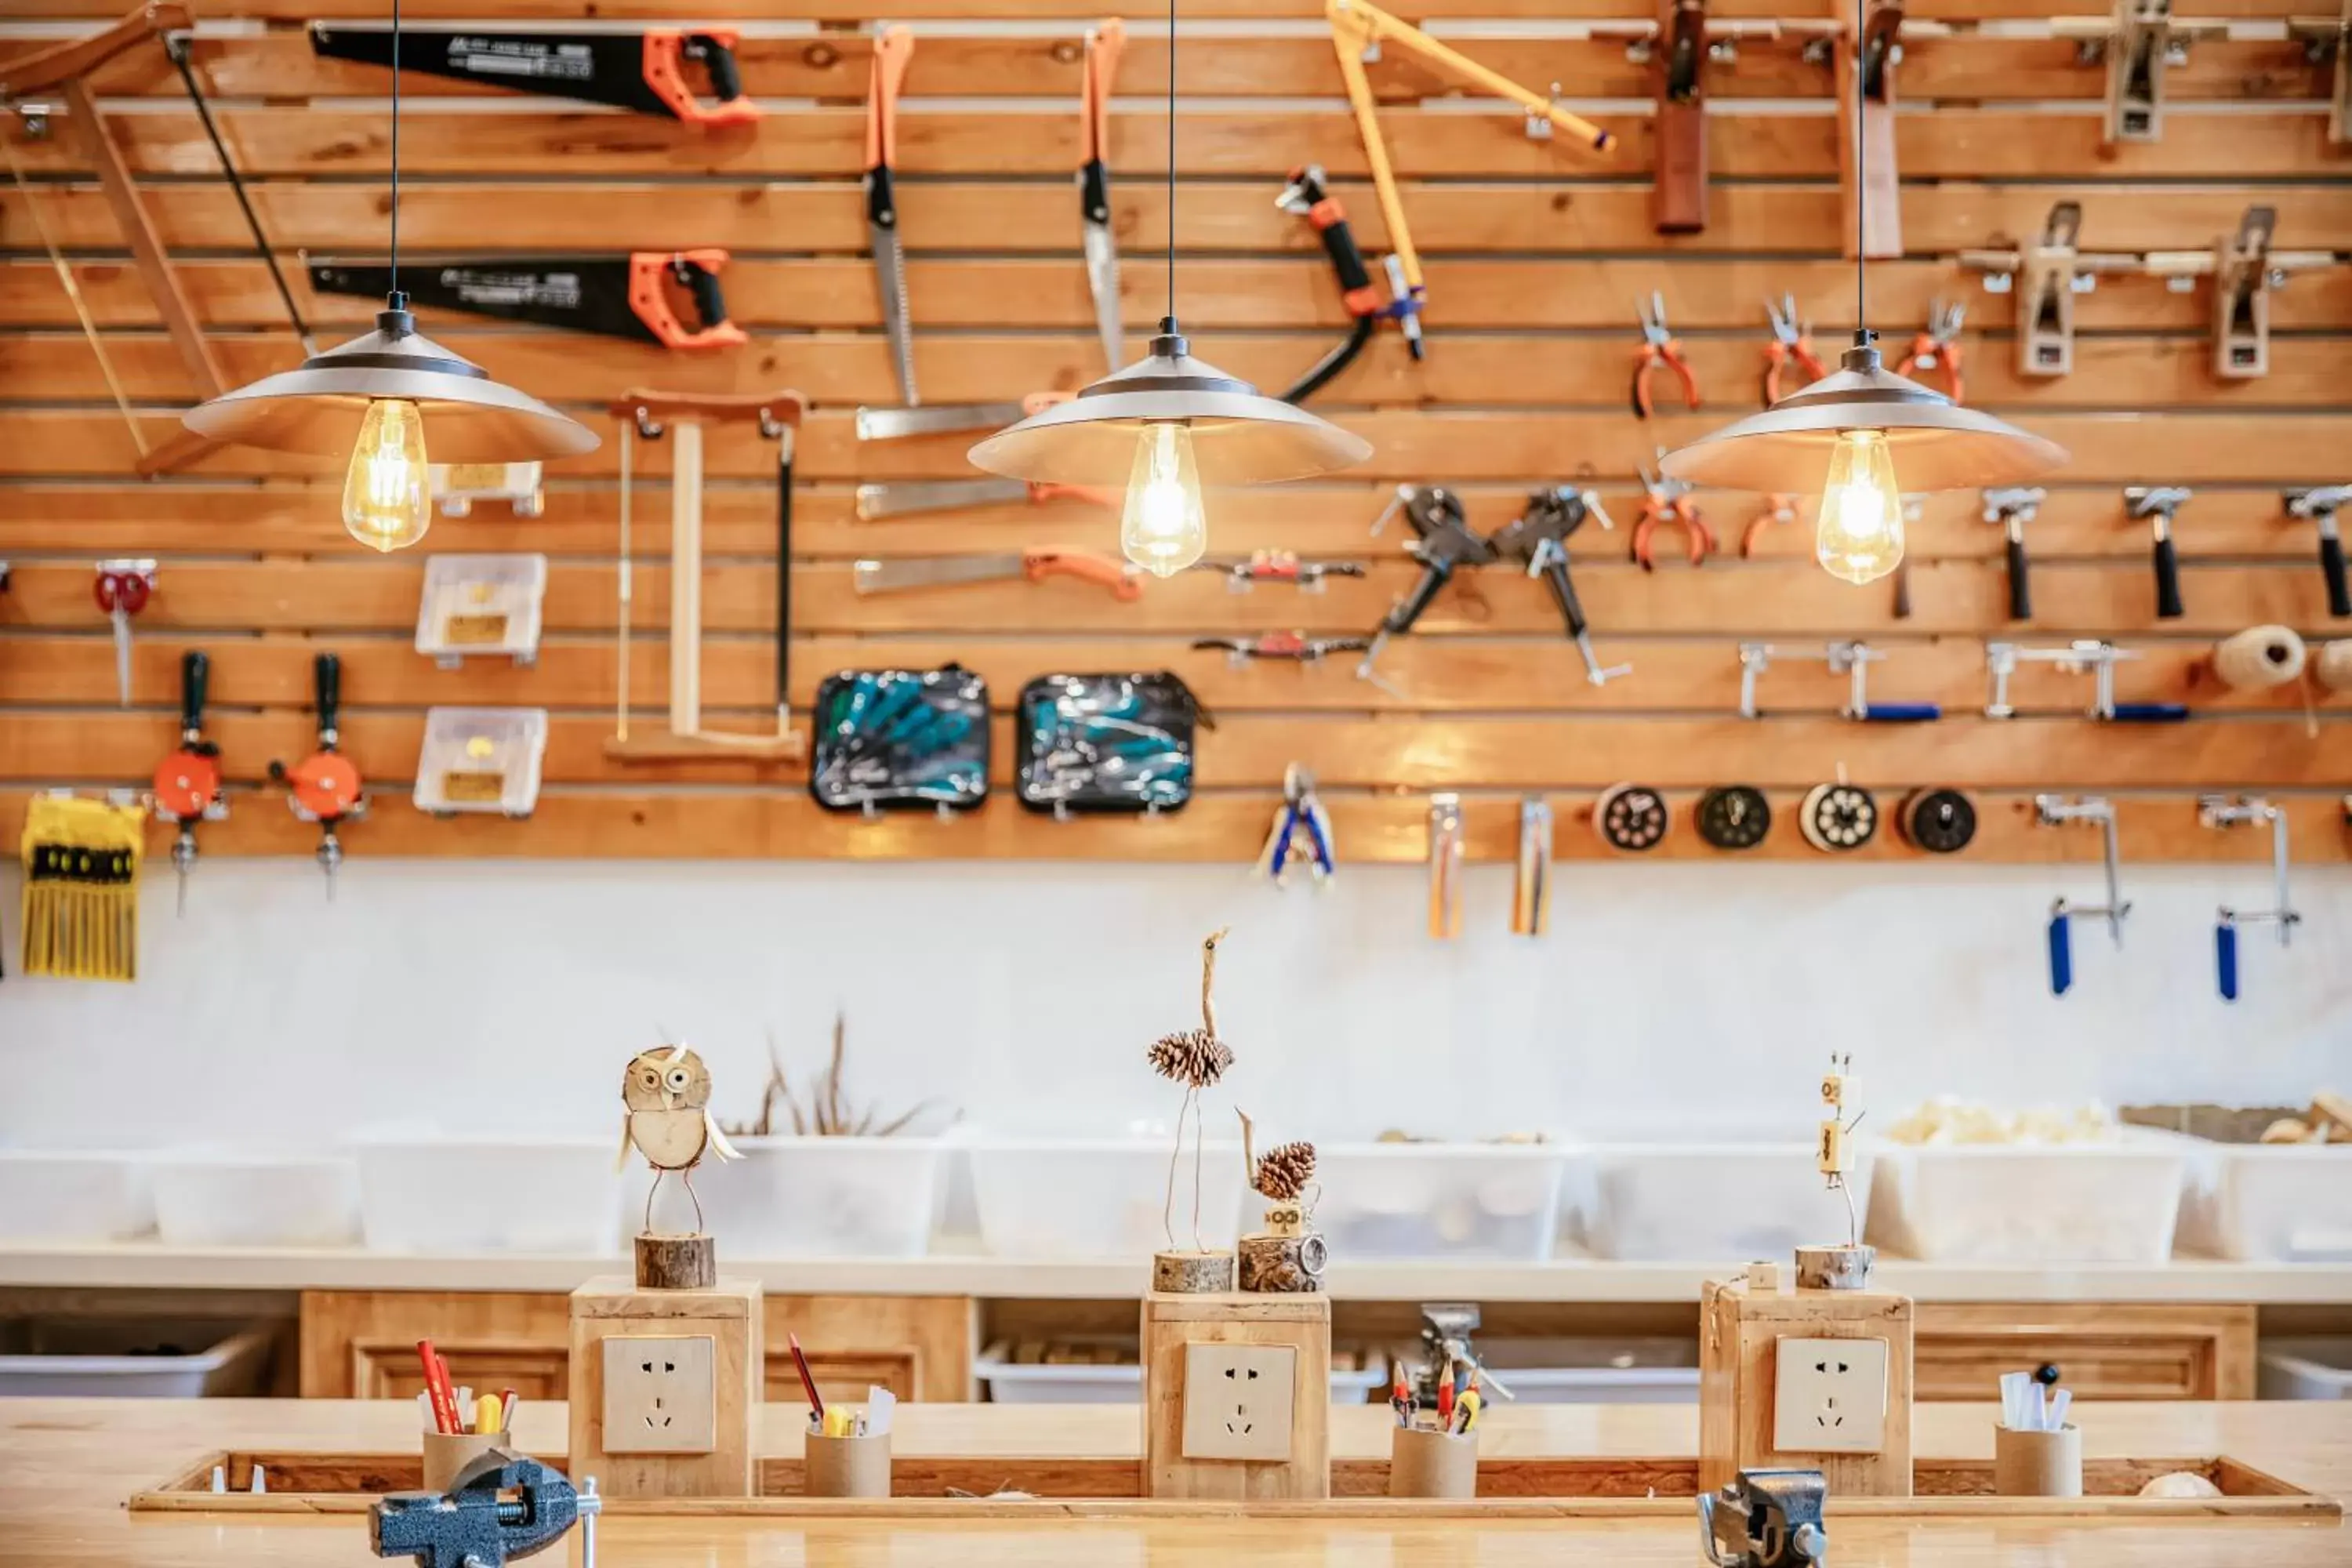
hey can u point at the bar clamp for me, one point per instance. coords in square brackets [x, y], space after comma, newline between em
[2056, 811]
[2088, 656]
[1848, 658]
[2249, 811]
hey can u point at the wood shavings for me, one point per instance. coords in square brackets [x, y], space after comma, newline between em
[1946, 1120]
[828, 1112]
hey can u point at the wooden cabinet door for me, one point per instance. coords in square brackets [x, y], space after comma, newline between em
[918, 1347]
[2102, 1349]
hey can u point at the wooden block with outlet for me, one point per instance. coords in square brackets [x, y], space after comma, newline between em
[1236, 1396]
[665, 1388]
[1805, 1379]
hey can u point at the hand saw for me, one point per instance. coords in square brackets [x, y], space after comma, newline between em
[903, 497]
[892, 51]
[1103, 46]
[940, 419]
[641, 71]
[1036, 566]
[614, 297]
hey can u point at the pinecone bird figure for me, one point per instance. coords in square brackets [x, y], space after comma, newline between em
[1197, 1060]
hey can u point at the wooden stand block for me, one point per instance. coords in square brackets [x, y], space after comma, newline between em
[1740, 1330]
[721, 1323]
[1191, 1273]
[1276, 1264]
[676, 1262]
[1172, 1326]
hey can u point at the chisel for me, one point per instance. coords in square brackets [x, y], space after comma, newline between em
[1036, 566]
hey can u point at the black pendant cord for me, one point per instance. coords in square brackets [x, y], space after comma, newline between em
[399, 300]
[1172, 162]
[1861, 177]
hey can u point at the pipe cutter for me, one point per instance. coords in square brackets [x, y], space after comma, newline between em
[500, 1508]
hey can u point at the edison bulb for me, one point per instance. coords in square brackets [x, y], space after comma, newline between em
[387, 497]
[1860, 535]
[1162, 528]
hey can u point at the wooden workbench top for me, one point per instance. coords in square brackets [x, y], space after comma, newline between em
[66, 1467]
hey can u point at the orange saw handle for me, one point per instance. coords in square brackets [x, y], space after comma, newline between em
[667, 51]
[696, 272]
[1104, 45]
[892, 51]
[1040, 564]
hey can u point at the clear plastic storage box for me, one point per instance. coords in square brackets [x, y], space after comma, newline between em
[1700, 1201]
[481, 760]
[824, 1197]
[2072, 1203]
[1391, 1201]
[1010, 1381]
[2318, 1368]
[1096, 1198]
[1580, 1370]
[85, 1358]
[207, 1198]
[2271, 1203]
[74, 1196]
[480, 606]
[442, 1195]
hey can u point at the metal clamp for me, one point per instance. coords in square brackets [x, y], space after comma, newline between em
[2248, 811]
[1848, 658]
[2056, 811]
[2088, 656]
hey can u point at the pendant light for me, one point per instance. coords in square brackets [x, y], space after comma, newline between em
[377, 393]
[1846, 433]
[1168, 426]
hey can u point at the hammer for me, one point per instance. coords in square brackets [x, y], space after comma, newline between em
[501, 1507]
[2013, 509]
[2319, 506]
[2156, 504]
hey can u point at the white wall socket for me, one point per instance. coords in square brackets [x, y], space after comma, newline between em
[661, 1394]
[1237, 1401]
[1828, 1396]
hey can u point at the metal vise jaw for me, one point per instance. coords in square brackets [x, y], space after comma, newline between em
[501, 1507]
[1765, 1519]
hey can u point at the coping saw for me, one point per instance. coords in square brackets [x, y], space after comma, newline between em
[614, 297]
[641, 71]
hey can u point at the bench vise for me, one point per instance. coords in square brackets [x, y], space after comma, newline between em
[500, 1507]
[1765, 1519]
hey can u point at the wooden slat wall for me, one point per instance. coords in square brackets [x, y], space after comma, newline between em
[1535, 255]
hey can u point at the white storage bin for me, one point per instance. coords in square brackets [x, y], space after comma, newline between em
[80, 1358]
[1439, 1200]
[824, 1197]
[2306, 1369]
[1698, 1202]
[222, 1199]
[1578, 1370]
[2271, 1203]
[443, 1195]
[1009, 1382]
[74, 1196]
[1099, 1198]
[2074, 1203]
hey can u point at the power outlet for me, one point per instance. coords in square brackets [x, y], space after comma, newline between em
[1237, 1401]
[661, 1396]
[1828, 1396]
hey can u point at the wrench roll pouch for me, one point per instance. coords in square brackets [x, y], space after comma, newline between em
[1108, 742]
[900, 739]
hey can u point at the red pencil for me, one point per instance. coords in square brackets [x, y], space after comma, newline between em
[437, 1386]
[808, 1381]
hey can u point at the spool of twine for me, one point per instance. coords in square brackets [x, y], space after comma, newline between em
[2335, 665]
[2259, 657]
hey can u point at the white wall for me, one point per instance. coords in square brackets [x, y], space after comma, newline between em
[509, 993]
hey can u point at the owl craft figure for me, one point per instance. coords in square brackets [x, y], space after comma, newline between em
[668, 1092]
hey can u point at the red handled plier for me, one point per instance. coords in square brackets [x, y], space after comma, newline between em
[1791, 339]
[1659, 347]
[1669, 499]
[1939, 346]
[1777, 509]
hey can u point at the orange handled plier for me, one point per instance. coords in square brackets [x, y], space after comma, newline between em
[1659, 347]
[1669, 500]
[1939, 346]
[1791, 339]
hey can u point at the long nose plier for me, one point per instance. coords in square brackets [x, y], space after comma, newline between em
[1791, 339]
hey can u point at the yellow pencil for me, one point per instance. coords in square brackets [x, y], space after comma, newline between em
[488, 1411]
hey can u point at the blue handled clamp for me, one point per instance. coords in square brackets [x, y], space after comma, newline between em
[2054, 811]
[2248, 811]
[1848, 658]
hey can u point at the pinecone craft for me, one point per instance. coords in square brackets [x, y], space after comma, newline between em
[1194, 1057]
[1284, 1170]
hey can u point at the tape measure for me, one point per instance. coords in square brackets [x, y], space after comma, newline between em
[1734, 817]
[1940, 821]
[1837, 817]
[1631, 816]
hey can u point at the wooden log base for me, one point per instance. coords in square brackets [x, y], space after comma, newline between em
[667, 747]
[1282, 1264]
[1192, 1273]
[676, 1262]
[1834, 1268]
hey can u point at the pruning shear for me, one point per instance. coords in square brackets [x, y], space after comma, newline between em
[1659, 347]
[1669, 499]
[1791, 339]
[1939, 346]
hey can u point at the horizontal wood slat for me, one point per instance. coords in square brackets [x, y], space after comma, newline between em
[1247, 750]
[1214, 828]
[1723, 599]
[1976, 67]
[1953, 144]
[1318, 521]
[1449, 674]
[2256, 448]
[1285, 293]
[1219, 216]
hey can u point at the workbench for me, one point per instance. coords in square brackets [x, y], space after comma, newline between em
[68, 1466]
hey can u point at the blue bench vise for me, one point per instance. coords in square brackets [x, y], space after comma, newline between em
[501, 1507]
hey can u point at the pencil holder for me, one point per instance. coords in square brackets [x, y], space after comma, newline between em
[845, 1466]
[1426, 1463]
[2037, 1464]
[447, 1453]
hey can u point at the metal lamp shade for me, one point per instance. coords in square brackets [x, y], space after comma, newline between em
[316, 407]
[1936, 445]
[1239, 436]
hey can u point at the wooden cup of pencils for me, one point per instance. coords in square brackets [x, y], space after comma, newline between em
[1425, 1461]
[457, 1428]
[845, 1466]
